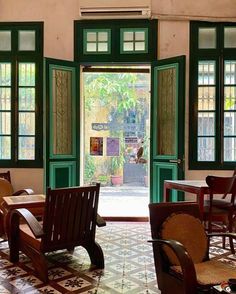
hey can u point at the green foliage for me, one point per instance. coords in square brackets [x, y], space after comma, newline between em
[89, 169]
[117, 164]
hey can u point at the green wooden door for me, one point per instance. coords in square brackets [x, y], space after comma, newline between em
[62, 124]
[167, 131]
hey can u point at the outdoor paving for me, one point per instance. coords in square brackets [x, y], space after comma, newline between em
[123, 201]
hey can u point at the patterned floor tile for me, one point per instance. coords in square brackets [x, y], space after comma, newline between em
[3, 290]
[26, 282]
[74, 283]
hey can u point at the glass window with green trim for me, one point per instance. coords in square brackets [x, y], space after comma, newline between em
[21, 56]
[212, 82]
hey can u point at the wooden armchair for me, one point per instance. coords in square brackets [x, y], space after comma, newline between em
[69, 221]
[181, 250]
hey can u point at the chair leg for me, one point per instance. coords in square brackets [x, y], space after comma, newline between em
[230, 229]
[95, 253]
[39, 261]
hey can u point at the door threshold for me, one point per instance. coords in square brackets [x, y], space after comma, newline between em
[126, 218]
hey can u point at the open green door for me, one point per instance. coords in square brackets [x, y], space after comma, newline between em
[62, 124]
[167, 133]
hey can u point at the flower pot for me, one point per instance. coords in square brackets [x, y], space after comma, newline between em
[116, 180]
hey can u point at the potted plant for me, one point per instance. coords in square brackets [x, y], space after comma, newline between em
[117, 170]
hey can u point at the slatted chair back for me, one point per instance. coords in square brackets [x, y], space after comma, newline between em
[6, 176]
[70, 217]
[220, 185]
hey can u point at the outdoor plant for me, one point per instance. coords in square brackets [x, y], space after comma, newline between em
[89, 169]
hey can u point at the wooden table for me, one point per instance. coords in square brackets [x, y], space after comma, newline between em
[34, 203]
[200, 188]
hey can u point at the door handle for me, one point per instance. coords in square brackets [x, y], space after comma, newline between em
[175, 161]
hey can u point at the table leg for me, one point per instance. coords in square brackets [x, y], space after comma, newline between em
[200, 201]
[166, 194]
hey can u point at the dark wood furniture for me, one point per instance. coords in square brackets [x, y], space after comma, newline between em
[185, 277]
[69, 220]
[5, 190]
[220, 185]
[34, 203]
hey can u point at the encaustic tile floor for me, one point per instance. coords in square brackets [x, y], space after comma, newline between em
[128, 269]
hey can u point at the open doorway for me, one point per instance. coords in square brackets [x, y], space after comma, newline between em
[116, 132]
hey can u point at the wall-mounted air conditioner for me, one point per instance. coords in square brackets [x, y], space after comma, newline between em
[114, 12]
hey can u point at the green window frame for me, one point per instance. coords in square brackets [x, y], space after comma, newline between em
[133, 40]
[21, 67]
[97, 41]
[212, 112]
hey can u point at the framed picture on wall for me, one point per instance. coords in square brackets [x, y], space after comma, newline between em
[96, 146]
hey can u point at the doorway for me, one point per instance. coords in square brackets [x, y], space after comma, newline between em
[116, 136]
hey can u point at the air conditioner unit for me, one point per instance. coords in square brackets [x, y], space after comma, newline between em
[114, 12]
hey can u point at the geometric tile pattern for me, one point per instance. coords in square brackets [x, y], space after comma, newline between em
[128, 268]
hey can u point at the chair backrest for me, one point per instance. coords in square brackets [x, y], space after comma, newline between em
[6, 188]
[159, 212]
[221, 185]
[6, 176]
[70, 217]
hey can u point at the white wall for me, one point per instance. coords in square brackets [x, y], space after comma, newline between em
[58, 17]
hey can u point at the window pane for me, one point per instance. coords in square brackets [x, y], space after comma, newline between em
[230, 98]
[230, 72]
[5, 123]
[5, 98]
[206, 149]
[26, 123]
[230, 123]
[5, 40]
[102, 47]
[139, 36]
[206, 98]
[206, 72]
[230, 37]
[128, 36]
[102, 36]
[27, 99]
[26, 74]
[207, 38]
[91, 47]
[26, 41]
[229, 149]
[206, 124]
[128, 46]
[5, 74]
[26, 148]
[91, 37]
[139, 46]
[5, 147]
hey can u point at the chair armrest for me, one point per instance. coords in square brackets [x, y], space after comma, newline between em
[29, 218]
[24, 191]
[186, 263]
[100, 221]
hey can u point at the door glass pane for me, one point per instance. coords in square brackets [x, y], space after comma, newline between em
[26, 123]
[206, 72]
[139, 36]
[230, 98]
[91, 47]
[230, 72]
[102, 36]
[229, 149]
[230, 123]
[139, 46]
[61, 112]
[128, 36]
[230, 37]
[206, 124]
[26, 98]
[128, 46]
[5, 40]
[26, 74]
[5, 147]
[26, 148]
[26, 41]
[5, 98]
[206, 149]
[206, 98]
[5, 123]
[102, 47]
[166, 112]
[5, 74]
[91, 37]
[207, 38]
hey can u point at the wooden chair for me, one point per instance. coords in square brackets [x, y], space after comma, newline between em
[69, 221]
[181, 250]
[220, 210]
[6, 189]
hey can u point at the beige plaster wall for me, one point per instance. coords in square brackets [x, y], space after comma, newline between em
[58, 17]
